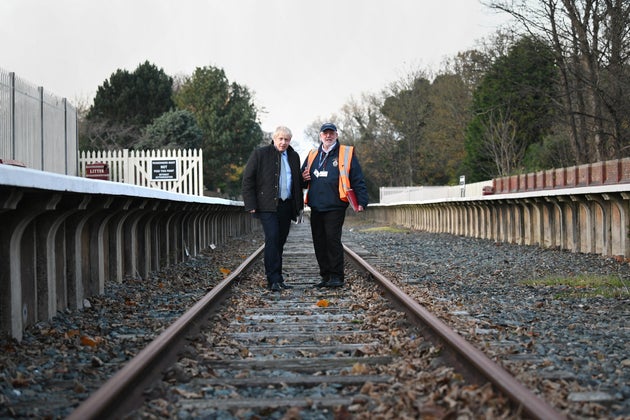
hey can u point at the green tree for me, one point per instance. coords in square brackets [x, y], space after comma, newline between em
[228, 118]
[408, 109]
[126, 103]
[134, 98]
[512, 109]
[428, 120]
[591, 43]
[172, 130]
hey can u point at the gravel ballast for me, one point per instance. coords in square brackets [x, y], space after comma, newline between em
[565, 334]
[578, 339]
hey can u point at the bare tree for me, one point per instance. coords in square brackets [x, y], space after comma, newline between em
[592, 45]
[375, 140]
[500, 143]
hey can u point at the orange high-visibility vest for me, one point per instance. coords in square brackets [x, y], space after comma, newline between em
[345, 158]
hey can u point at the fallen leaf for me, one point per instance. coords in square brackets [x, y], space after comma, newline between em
[20, 380]
[323, 303]
[72, 333]
[89, 341]
[359, 369]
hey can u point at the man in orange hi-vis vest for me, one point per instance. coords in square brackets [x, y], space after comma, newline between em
[335, 180]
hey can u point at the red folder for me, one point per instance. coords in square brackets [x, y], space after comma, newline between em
[352, 198]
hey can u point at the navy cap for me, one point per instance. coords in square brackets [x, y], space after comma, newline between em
[328, 126]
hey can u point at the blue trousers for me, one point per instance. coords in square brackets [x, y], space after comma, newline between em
[276, 227]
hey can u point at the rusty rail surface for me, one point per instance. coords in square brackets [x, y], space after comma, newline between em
[121, 392]
[481, 364]
[116, 396]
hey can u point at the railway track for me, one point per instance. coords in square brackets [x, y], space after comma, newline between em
[363, 351]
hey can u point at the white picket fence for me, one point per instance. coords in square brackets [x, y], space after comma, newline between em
[179, 171]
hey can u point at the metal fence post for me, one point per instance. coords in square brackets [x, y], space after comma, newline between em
[12, 112]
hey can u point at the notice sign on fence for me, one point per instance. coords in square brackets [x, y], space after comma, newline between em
[164, 170]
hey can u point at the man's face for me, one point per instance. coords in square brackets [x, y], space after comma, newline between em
[328, 137]
[281, 141]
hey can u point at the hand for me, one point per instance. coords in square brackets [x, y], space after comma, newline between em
[360, 208]
[306, 175]
[253, 211]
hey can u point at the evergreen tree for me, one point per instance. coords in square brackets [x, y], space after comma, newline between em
[172, 130]
[228, 119]
[512, 109]
[125, 104]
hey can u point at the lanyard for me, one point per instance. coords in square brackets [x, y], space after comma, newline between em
[322, 162]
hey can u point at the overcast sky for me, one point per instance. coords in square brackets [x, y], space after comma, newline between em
[301, 59]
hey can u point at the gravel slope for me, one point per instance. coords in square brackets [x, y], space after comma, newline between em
[549, 336]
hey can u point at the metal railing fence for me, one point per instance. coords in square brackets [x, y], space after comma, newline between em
[37, 128]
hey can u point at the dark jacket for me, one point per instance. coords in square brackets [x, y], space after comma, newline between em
[323, 192]
[261, 177]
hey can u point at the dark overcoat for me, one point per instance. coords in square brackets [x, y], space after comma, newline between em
[261, 178]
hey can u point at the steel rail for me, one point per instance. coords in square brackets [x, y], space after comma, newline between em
[497, 375]
[113, 399]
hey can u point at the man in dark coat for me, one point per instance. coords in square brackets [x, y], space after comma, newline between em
[272, 192]
[328, 210]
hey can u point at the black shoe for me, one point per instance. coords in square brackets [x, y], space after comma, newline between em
[283, 285]
[321, 284]
[335, 282]
[275, 287]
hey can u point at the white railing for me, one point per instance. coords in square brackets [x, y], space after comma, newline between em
[391, 195]
[179, 171]
[37, 129]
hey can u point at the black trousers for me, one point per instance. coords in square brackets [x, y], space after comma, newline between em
[276, 227]
[326, 229]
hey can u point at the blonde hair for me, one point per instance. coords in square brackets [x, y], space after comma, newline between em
[282, 130]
